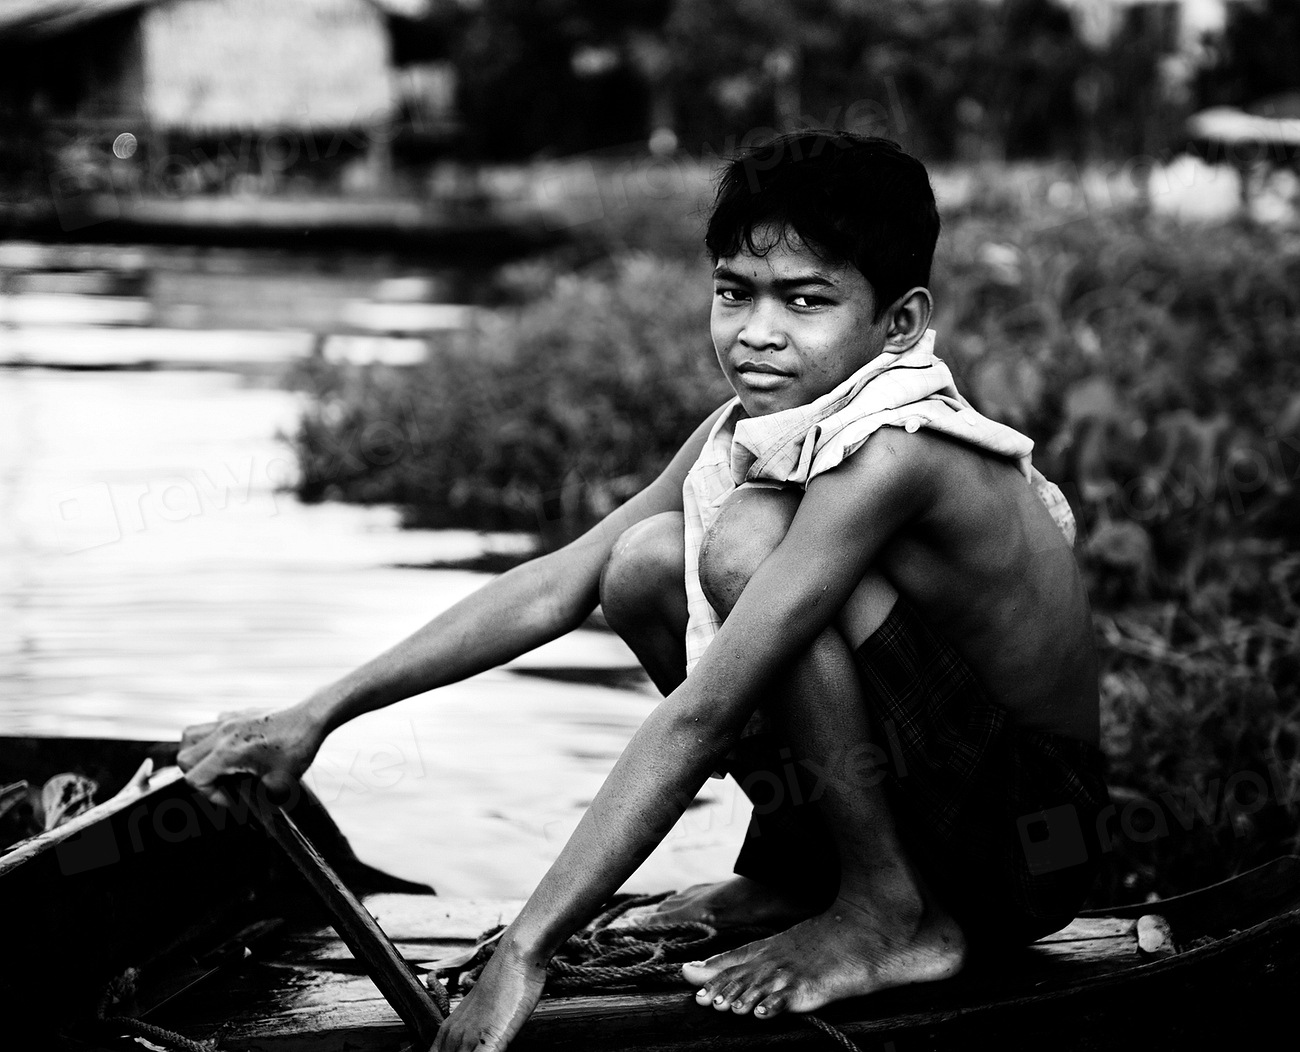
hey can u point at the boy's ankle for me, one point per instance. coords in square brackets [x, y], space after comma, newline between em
[894, 890]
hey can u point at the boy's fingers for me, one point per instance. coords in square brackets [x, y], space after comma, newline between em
[214, 793]
[210, 787]
[193, 736]
[205, 774]
[241, 714]
[189, 756]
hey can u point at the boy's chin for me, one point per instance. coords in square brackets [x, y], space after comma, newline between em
[765, 403]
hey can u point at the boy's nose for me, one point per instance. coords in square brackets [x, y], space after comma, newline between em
[762, 330]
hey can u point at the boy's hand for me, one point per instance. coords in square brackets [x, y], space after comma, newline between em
[276, 747]
[495, 1010]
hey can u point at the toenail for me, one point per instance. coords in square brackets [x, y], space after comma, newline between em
[719, 999]
[760, 1010]
[701, 993]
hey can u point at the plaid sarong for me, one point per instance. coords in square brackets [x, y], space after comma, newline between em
[1000, 820]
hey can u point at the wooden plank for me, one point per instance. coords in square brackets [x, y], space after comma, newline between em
[1093, 928]
[434, 918]
[1092, 965]
[330, 950]
[1083, 955]
[422, 927]
[347, 1015]
[355, 926]
[324, 1004]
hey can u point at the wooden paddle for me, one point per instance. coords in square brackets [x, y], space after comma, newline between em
[354, 924]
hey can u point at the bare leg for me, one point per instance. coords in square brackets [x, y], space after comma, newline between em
[643, 596]
[883, 928]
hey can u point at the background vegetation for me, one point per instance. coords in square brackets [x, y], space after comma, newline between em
[1156, 365]
[1014, 78]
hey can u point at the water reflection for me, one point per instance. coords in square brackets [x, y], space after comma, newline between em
[153, 576]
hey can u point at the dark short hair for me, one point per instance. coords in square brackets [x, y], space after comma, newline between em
[850, 198]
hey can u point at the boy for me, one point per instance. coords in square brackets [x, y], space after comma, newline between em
[869, 585]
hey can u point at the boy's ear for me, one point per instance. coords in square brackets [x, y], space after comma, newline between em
[908, 319]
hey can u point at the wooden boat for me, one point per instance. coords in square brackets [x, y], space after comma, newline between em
[226, 943]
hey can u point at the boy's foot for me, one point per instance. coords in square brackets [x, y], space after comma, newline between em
[735, 903]
[852, 949]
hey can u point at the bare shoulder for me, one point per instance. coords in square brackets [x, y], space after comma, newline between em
[892, 457]
[971, 489]
[896, 474]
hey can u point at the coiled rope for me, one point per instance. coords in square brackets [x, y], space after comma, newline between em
[601, 958]
[123, 989]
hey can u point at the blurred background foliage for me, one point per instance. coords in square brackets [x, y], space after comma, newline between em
[974, 79]
[1156, 363]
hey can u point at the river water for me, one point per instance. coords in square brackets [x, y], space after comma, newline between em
[153, 573]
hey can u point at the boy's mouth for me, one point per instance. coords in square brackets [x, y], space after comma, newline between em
[761, 376]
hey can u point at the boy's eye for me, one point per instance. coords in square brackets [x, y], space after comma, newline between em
[807, 302]
[730, 295]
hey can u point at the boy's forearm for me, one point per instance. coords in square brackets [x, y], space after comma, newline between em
[509, 616]
[654, 781]
[677, 747]
[651, 785]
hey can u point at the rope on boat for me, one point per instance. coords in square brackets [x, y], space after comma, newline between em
[157, 1034]
[834, 1033]
[123, 989]
[602, 958]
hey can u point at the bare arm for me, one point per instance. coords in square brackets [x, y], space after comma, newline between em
[524, 608]
[795, 594]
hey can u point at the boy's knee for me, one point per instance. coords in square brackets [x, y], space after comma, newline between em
[749, 526]
[648, 558]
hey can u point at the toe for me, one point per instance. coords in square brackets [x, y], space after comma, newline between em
[711, 991]
[701, 972]
[728, 989]
[772, 1004]
[698, 972]
[744, 1003]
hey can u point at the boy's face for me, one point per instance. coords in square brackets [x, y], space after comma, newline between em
[789, 326]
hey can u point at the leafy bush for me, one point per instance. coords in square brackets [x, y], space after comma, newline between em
[1157, 367]
[548, 418]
